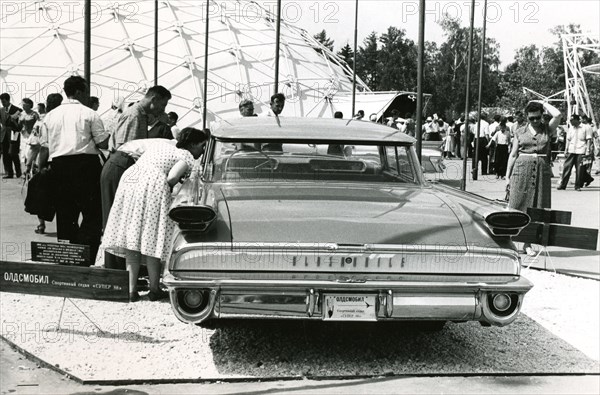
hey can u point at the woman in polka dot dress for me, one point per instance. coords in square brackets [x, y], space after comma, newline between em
[138, 224]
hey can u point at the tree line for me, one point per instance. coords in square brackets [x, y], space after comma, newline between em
[389, 62]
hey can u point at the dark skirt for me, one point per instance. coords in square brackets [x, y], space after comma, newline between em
[530, 183]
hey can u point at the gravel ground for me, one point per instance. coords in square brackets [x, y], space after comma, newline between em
[145, 341]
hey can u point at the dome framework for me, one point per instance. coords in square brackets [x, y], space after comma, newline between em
[42, 44]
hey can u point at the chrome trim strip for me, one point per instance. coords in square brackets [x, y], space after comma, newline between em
[460, 307]
[520, 284]
[316, 247]
[306, 257]
[403, 306]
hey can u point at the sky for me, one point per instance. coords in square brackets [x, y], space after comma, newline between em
[512, 23]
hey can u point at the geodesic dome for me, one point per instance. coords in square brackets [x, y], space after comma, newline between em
[42, 44]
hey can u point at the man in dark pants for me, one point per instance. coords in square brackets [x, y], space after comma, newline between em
[131, 126]
[74, 133]
[10, 136]
[484, 138]
[578, 144]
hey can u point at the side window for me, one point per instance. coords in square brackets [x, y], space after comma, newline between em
[391, 154]
[398, 163]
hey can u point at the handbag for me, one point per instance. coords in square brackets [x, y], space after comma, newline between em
[39, 199]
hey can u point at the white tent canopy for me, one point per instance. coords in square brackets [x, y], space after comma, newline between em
[42, 44]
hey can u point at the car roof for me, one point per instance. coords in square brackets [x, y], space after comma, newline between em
[313, 129]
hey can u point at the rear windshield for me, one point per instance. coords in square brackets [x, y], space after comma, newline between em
[251, 161]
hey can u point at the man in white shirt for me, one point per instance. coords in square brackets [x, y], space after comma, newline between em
[277, 104]
[484, 138]
[586, 163]
[74, 134]
[495, 125]
[578, 144]
[429, 128]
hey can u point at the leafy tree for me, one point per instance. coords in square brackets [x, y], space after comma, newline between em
[324, 40]
[449, 70]
[397, 61]
[347, 55]
[367, 64]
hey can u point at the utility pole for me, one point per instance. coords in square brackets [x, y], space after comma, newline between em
[465, 136]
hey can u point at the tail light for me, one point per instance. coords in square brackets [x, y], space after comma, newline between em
[502, 304]
[189, 208]
[193, 217]
[507, 223]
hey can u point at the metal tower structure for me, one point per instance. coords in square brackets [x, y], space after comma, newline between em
[576, 93]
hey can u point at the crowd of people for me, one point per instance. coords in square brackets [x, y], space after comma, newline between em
[492, 138]
[120, 205]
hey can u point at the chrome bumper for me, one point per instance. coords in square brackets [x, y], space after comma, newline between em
[395, 300]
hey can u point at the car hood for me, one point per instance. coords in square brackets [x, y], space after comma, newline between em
[341, 214]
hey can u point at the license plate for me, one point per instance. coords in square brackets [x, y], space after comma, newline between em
[349, 308]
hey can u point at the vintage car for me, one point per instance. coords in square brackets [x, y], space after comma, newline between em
[329, 219]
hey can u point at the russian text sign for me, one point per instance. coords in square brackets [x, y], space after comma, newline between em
[63, 253]
[64, 281]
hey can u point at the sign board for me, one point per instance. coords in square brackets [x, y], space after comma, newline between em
[63, 253]
[350, 308]
[64, 281]
[559, 236]
[549, 216]
[550, 228]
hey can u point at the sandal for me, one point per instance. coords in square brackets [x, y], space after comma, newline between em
[40, 229]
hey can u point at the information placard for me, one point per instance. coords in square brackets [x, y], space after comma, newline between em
[64, 281]
[62, 253]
